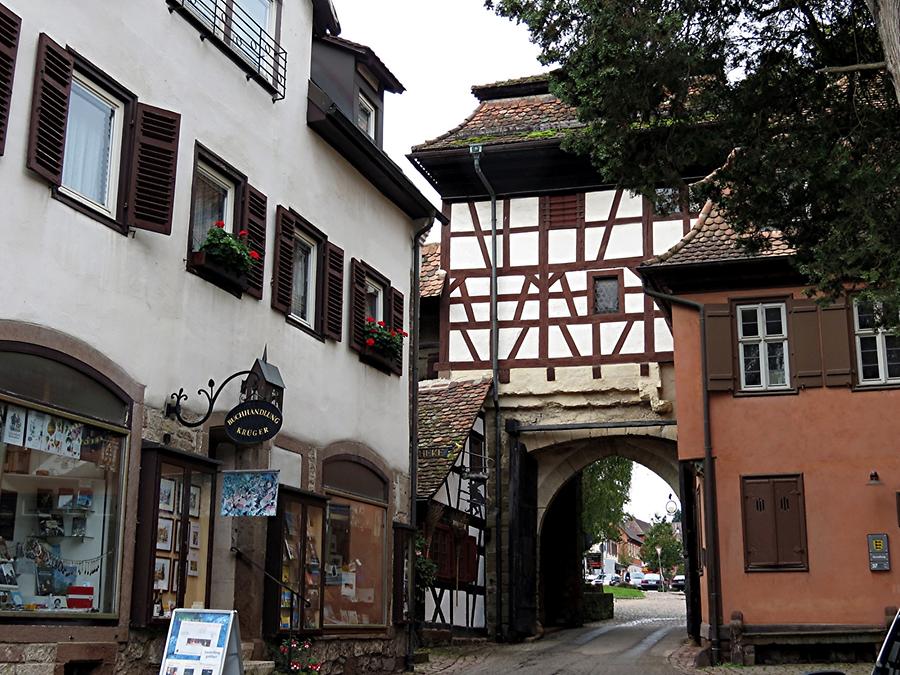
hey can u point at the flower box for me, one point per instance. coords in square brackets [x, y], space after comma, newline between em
[376, 359]
[216, 273]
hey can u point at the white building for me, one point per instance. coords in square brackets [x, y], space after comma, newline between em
[128, 132]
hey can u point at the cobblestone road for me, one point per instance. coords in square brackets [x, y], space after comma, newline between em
[646, 637]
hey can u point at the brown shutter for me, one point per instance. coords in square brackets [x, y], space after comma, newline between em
[836, 345]
[254, 221]
[357, 305]
[283, 267]
[333, 295]
[562, 210]
[49, 110]
[469, 563]
[10, 26]
[151, 186]
[719, 348]
[806, 356]
[760, 545]
[790, 522]
[396, 322]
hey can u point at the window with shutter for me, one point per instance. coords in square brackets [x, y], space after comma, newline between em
[254, 223]
[396, 319]
[151, 193]
[763, 347]
[307, 276]
[774, 523]
[806, 353]
[836, 337]
[10, 27]
[372, 297]
[49, 110]
[877, 350]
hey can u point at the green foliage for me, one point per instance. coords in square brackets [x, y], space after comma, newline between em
[624, 558]
[667, 89]
[426, 568]
[295, 656]
[623, 592]
[661, 534]
[229, 250]
[605, 485]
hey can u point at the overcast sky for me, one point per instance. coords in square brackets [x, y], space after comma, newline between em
[438, 49]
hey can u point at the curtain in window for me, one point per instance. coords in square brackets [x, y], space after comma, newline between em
[210, 199]
[88, 145]
[300, 299]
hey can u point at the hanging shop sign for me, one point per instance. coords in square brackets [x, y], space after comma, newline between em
[253, 422]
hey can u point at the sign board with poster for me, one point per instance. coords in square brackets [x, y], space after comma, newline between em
[202, 642]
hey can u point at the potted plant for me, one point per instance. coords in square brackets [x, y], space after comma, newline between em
[225, 258]
[295, 656]
[383, 344]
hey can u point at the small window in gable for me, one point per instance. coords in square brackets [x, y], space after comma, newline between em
[93, 145]
[365, 116]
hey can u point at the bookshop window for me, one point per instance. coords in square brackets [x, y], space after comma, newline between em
[62, 442]
[296, 542]
[356, 567]
[174, 538]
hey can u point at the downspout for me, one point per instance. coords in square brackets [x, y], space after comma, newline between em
[424, 226]
[711, 517]
[475, 151]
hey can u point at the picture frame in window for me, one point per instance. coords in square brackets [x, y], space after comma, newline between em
[194, 503]
[193, 564]
[165, 534]
[195, 536]
[162, 572]
[167, 488]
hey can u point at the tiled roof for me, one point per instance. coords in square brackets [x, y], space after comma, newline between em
[509, 112]
[711, 239]
[447, 411]
[431, 276]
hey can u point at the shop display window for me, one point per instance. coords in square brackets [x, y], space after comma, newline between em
[61, 482]
[294, 557]
[356, 564]
[175, 533]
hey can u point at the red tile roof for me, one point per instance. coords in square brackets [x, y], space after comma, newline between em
[431, 276]
[447, 411]
[711, 239]
[513, 111]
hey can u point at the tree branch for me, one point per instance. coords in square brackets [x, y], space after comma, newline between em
[878, 65]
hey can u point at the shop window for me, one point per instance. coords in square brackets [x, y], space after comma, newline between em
[62, 448]
[295, 551]
[173, 552]
[356, 565]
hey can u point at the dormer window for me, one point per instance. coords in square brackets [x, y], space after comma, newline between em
[365, 116]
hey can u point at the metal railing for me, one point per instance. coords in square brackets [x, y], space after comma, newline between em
[232, 28]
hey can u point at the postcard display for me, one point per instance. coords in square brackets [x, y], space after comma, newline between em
[301, 567]
[182, 540]
[204, 642]
[59, 506]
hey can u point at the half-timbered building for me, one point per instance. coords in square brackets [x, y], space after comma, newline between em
[450, 492]
[583, 356]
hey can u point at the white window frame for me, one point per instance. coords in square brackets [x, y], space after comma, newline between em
[763, 340]
[115, 150]
[379, 304]
[370, 107]
[225, 183]
[313, 270]
[879, 335]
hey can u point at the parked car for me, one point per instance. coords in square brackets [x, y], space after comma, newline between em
[678, 582]
[598, 580]
[591, 577]
[635, 578]
[613, 580]
[651, 582]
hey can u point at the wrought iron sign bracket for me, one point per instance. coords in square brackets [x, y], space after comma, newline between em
[173, 407]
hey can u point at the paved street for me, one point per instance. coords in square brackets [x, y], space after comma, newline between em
[646, 637]
[637, 642]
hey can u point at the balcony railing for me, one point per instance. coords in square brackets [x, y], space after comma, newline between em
[250, 45]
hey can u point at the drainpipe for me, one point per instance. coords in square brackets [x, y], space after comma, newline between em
[475, 151]
[711, 519]
[424, 225]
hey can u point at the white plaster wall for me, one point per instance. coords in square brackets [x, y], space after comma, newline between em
[529, 348]
[626, 241]
[460, 218]
[506, 338]
[577, 280]
[582, 336]
[511, 283]
[666, 233]
[523, 248]
[286, 462]
[459, 350]
[634, 302]
[634, 343]
[561, 246]
[557, 347]
[476, 286]
[662, 336]
[131, 298]
[630, 206]
[609, 335]
[593, 238]
[597, 205]
[523, 212]
[466, 254]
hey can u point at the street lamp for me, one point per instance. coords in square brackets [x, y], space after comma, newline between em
[659, 562]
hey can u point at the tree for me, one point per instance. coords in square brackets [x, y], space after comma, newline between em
[662, 535]
[789, 100]
[604, 488]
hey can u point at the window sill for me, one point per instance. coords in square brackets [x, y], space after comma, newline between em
[296, 323]
[201, 265]
[751, 570]
[875, 386]
[86, 210]
[770, 392]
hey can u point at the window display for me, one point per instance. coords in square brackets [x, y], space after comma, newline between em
[174, 534]
[60, 486]
[294, 557]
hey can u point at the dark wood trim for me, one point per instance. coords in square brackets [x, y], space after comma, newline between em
[206, 156]
[619, 276]
[748, 566]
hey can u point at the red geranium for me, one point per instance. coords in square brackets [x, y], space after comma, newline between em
[254, 255]
[370, 342]
[243, 233]
[220, 224]
[370, 319]
[381, 323]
